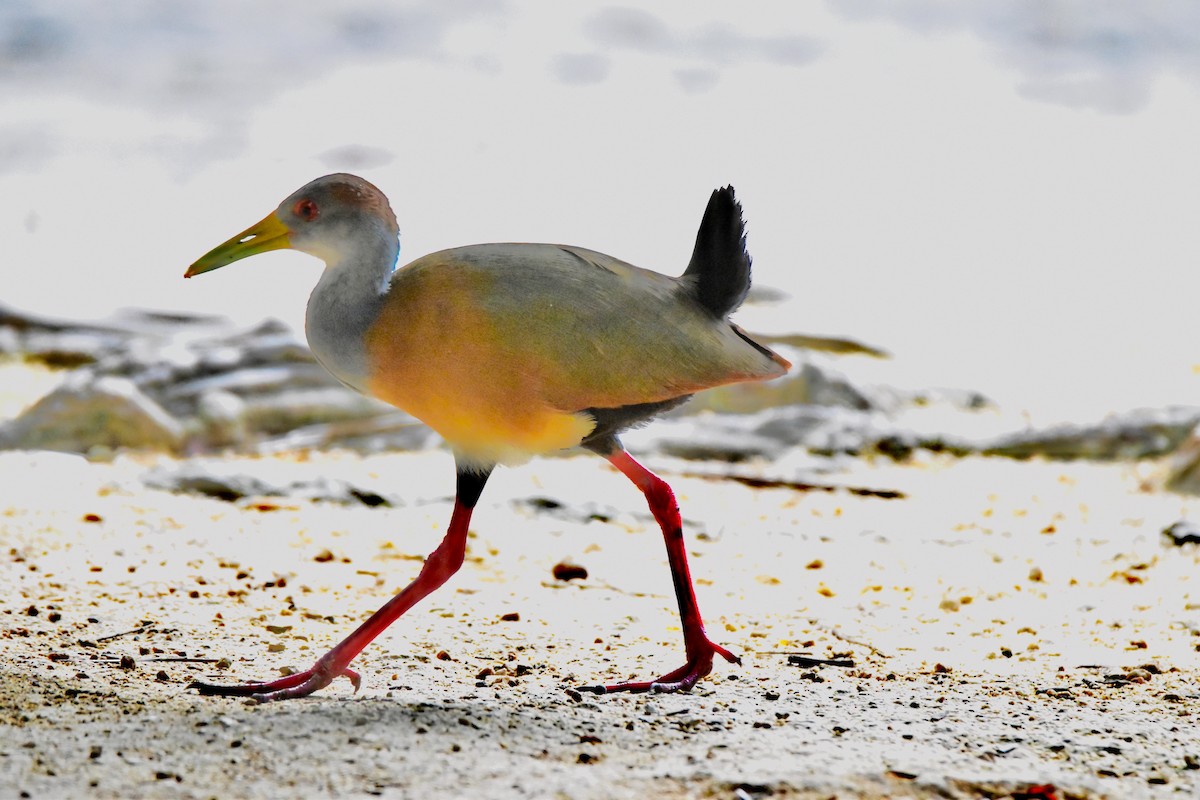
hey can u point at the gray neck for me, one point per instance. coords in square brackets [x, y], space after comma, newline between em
[344, 304]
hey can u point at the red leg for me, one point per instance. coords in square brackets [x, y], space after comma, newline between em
[700, 649]
[439, 566]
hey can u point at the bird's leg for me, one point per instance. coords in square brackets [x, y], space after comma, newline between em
[700, 649]
[439, 566]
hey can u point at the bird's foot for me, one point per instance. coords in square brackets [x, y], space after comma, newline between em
[698, 665]
[299, 684]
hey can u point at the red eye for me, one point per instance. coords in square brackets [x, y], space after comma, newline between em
[305, 210]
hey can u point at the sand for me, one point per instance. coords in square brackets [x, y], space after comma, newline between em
[1016, 629]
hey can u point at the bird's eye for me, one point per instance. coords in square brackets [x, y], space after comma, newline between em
[306, 210]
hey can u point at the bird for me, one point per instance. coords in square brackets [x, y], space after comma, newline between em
[511, 351]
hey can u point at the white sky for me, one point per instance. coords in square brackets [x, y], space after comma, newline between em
[1006, 201]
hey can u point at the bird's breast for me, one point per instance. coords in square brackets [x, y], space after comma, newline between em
[432, 351]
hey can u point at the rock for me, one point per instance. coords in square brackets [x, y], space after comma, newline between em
[227, 387]
[766, 434]
[812, 381]
[393, 430]
[941, 423]
[259, 389]
[821, 429]
[220, 415]
[1183, 475]
[1182, 532]
[224, 481]
[722, 437]
[828, 387]
[746, 398]
[1142, 433]
[71, 343]
[195, 478]
[577, 513]
[296, 408]
[88, 412]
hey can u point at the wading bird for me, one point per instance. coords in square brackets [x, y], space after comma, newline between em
[510, 351]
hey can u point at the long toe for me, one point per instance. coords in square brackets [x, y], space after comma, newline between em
[683, 679]
[314, 682]
[299, 684]
[680, 680]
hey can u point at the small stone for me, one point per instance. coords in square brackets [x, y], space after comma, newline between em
[1184, 532]
[566, 571]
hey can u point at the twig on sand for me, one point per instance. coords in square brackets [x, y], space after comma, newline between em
[802, 660]
[837, 634]
[759, 482]
[112, 636]
[174, 659]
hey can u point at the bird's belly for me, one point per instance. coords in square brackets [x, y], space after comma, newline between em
[479, 426]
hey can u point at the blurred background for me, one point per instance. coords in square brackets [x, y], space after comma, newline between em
[1005, 196]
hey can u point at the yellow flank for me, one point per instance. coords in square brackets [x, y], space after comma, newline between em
[434, 354]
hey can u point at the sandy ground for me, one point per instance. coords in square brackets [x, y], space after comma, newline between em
[1016, 630]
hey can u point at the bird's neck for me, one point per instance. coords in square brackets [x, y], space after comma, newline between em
[344, 304]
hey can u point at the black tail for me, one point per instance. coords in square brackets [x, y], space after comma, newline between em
[718, 275]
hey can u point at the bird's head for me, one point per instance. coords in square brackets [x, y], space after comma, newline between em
[328, 218]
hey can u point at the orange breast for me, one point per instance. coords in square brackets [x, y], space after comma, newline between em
[433, 354]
